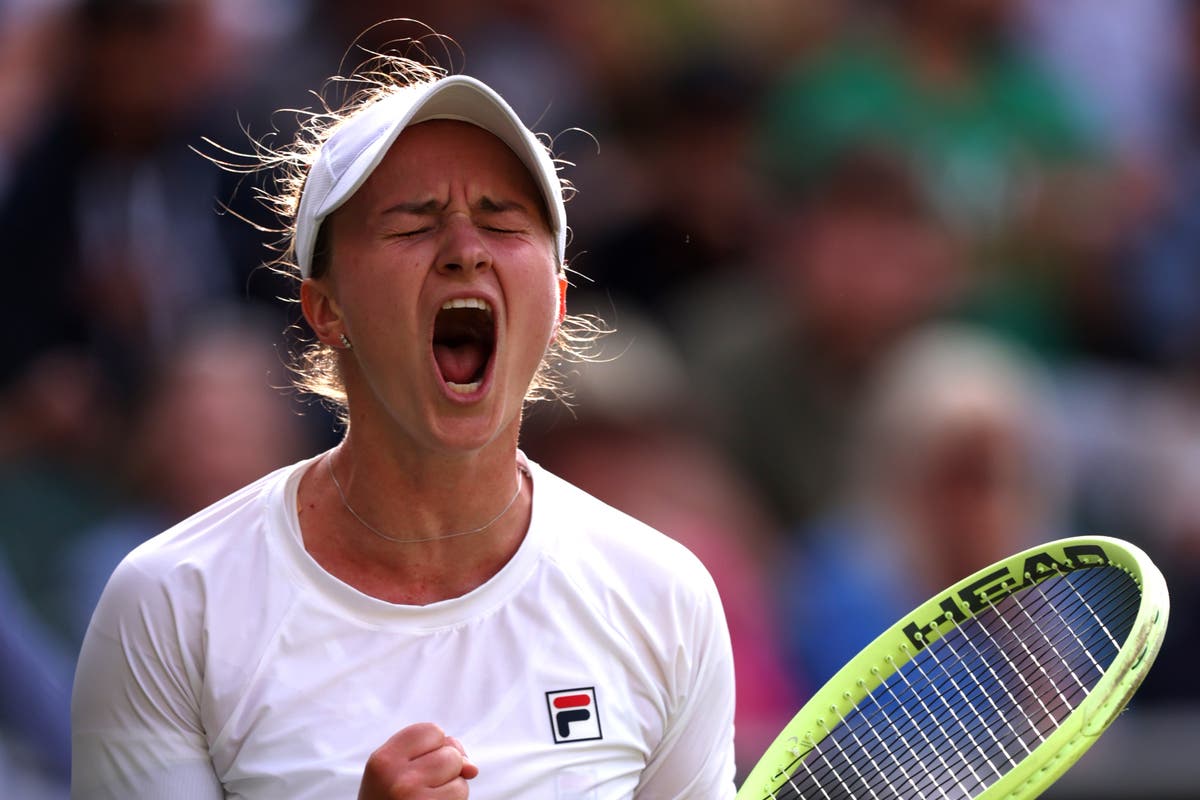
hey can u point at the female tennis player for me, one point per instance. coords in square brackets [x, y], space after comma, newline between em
[420, 612]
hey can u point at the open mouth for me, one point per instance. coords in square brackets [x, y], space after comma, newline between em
[464, 339]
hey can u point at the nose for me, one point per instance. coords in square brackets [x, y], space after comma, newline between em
[463, 250]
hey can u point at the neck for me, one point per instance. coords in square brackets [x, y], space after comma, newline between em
[419, 502]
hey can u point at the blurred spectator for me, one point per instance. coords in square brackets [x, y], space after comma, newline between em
[1171, 505]
[1133, 440]
[845, 269]
[1002, 152]
[1132, 426]
[112, 207]
[29, 74]
[59, 440]
[697, 207]
[1159, 278]
[633, 441]
[211, 423]
[953, 469]
[35, 689]
[1119, 61]
[213, 420]
[113, 224]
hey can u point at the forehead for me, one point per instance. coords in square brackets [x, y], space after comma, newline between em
[431, 156]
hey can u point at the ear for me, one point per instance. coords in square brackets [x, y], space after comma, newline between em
[322, 311]
[562, 300]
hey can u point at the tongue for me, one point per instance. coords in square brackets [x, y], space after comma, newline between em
[460, 363]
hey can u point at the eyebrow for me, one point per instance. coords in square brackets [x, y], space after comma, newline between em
[424, 208]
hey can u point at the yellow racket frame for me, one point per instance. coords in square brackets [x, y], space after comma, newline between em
[900, 643]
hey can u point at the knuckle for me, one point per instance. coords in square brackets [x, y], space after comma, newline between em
[448, 760]
[406, 784]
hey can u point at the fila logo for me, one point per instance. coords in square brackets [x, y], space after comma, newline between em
[574, 715]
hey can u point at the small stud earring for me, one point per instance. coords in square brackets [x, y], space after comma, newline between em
[346, 342]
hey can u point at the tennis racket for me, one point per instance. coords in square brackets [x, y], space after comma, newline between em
[991, 689]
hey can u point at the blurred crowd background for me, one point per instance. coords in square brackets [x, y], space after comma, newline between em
[897, 287]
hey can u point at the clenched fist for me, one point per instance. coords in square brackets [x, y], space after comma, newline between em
[419, 762]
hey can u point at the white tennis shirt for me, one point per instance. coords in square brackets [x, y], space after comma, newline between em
[223, 661]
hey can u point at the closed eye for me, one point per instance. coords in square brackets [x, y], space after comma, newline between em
[504, 221]
[502, 216]
[413, 232]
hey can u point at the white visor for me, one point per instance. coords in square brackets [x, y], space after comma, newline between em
[358, 144]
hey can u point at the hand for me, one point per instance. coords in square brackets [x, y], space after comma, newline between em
[419, 762]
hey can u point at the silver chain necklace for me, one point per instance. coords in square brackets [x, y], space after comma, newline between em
[521, 473]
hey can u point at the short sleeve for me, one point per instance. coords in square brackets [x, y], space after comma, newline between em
[695, 758]
[136, 729]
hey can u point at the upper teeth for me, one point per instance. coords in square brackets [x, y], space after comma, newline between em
[468, 302]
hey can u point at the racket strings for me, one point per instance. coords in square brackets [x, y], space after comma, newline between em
[969, 706]
[1081, 646]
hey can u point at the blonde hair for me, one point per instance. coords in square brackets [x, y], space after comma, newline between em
[314, 365]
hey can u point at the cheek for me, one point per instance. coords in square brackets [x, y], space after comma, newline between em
[542, 300]
[537, 320]
[543, 313]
